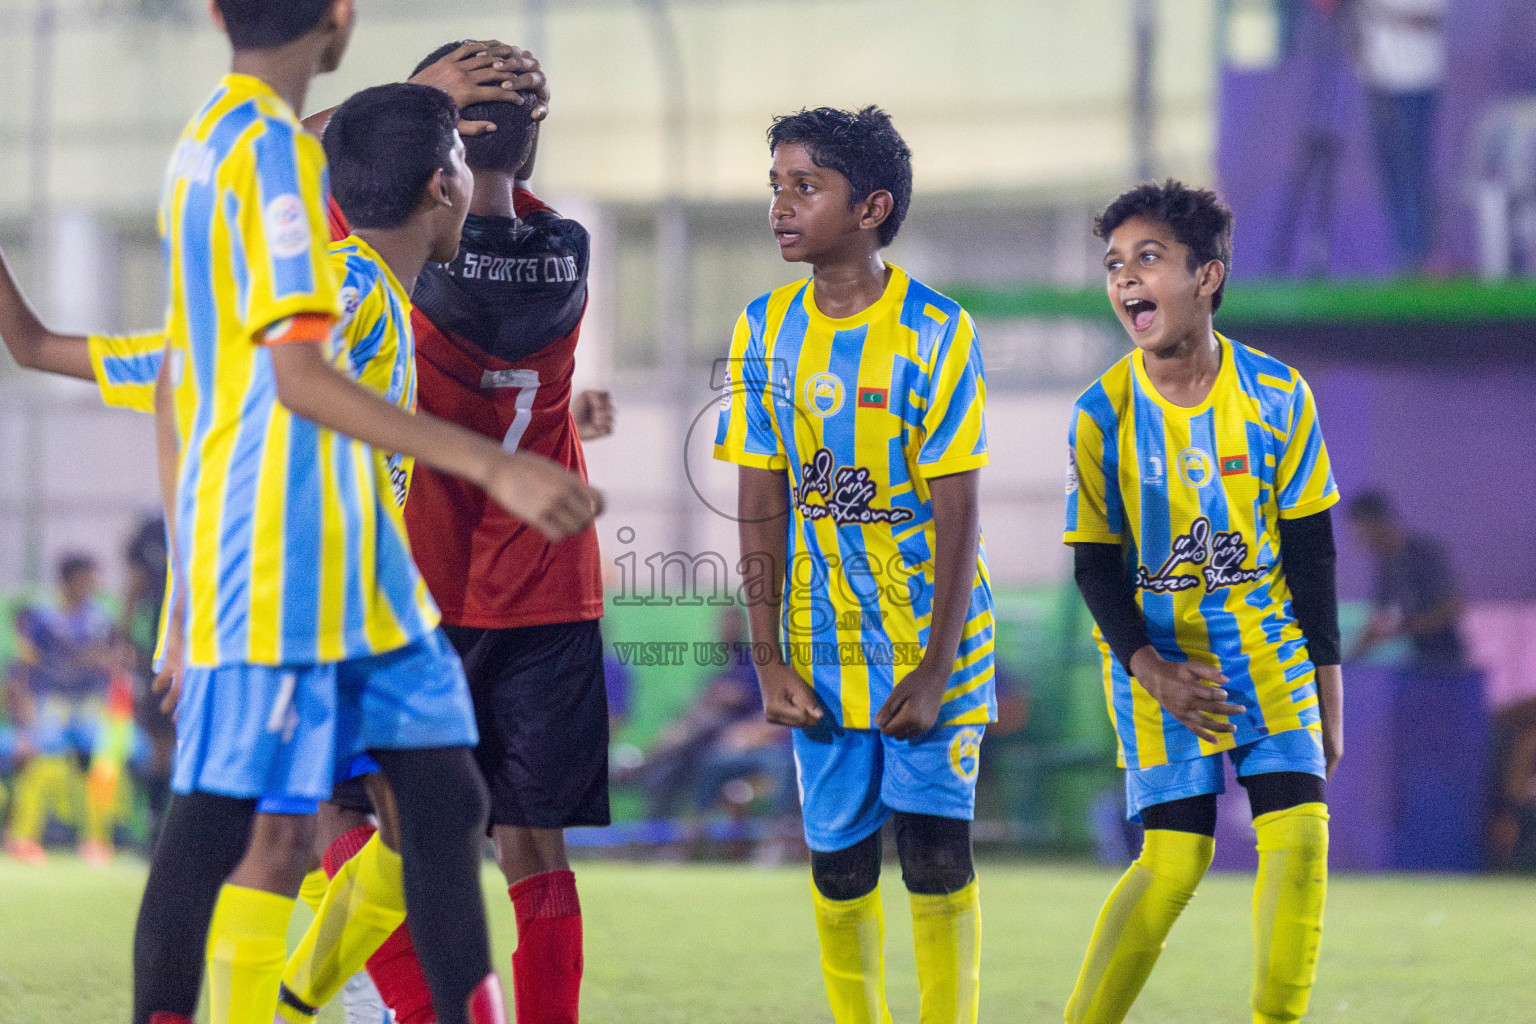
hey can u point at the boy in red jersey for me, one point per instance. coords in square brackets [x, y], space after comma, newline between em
[496, 332]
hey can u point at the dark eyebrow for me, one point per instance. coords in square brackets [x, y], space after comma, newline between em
[1149, 241]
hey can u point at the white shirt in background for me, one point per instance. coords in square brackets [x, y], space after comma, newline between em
[1402, 44]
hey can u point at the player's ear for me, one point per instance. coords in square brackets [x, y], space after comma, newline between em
[342, 13]
[438, 191]
[875, 209]
[1209, 278]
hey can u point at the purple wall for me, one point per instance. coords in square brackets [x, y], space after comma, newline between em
[1455, 448]
[1266, 115]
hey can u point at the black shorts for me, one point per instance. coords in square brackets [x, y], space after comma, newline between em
[352, 795]
[541, 705]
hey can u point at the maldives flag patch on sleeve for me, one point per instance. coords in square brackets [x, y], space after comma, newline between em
[872, 398]
[1234, 465]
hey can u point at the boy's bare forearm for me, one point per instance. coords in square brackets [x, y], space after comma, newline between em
[31, 343]
[167, 454]
[314, 389]
[763, 511]
[957, 542]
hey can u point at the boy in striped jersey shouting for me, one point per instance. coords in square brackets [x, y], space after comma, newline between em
[1198, 491]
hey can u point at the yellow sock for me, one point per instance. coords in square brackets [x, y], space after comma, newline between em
[852, 934]
[1134, 923]
[1288, 910]
[946, 936]
[312, 889]
[44, 782]
[100, 802]
[363, 906]
[247, 943]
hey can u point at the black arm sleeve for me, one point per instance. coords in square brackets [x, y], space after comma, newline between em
[1101, 578]
[1307, 553]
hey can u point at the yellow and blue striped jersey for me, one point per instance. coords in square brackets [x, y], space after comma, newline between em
[861, 413]
[376, 339]
[379, 345]
[1195, 495]
[292, 554]
[126, 366]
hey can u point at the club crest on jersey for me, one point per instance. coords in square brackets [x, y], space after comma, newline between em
[1195, 467]
[965, 754]
[286, 225]
[844, 493]
[1219, 554]
[824, 394]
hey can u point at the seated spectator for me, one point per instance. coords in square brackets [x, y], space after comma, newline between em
[1416, 593]
[721, 738]
[59, 686]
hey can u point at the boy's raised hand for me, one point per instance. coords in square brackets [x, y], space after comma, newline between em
[543, 494]
[593, 413]
[787, 699]
[1187, 690]
[487, 72]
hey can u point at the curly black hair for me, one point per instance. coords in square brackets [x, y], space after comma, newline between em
[506, 148]
[1197, 217]
[861, 145]
[383, 145]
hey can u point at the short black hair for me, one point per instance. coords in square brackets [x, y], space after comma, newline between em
[1372, 507]
[506, 148]
[74, 563]
[861, 145]
[261, 24]
[1197, 217]
[383, 145]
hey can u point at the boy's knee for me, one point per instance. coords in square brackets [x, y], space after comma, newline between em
[935, 853]
[850, 873]
[279, 855]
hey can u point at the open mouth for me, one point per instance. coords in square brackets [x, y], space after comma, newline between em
[785, 237]
[1141, 312]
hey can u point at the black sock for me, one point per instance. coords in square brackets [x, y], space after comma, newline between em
[443, 806]
[201, 842]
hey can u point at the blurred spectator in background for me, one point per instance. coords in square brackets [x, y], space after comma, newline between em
[145, 560]
[1416, 593]
[619, 681]
[722, 739]
[59, 685]
[1512, 828]
[1402, 59]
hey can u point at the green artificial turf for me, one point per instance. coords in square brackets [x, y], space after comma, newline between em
[726, 944]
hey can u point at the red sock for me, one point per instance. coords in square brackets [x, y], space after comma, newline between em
[486, 1004]
[345, 848]
[546, 969]
[167, 1017]
[396, 973]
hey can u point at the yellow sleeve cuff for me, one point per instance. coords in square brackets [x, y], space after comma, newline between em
[776, 462]
[949, 467]
[1089, 537]
[1309, 508]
